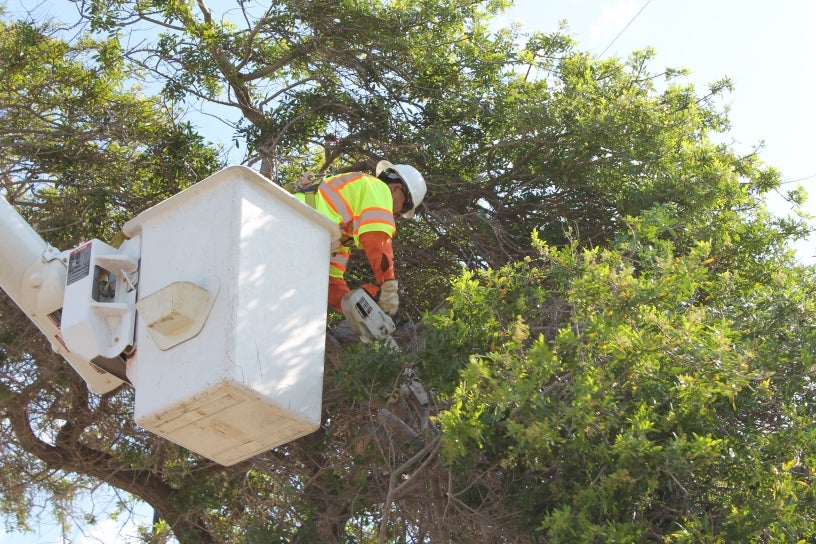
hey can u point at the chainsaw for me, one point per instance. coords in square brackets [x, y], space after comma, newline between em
[367, 319]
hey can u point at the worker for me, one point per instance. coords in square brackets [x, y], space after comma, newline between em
[365, 208]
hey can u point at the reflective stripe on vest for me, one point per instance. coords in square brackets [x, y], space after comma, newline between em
[338, 262]
[330, 191]
[369, 198]
[340, 199]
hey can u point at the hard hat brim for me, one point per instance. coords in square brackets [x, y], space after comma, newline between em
[382, 166]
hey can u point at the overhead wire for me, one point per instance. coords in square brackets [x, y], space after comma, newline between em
[632, 20]
[797, 180]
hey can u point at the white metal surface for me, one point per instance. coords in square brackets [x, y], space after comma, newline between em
[177, 312]
[20, 247]
[99, 312]
[33, 275]
[252, 378]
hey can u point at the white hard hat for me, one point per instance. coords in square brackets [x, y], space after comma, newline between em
[412, 180]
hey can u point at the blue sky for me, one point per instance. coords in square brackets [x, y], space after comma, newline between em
[106, 531]
[766, 48]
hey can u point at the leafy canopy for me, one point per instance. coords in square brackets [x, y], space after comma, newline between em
[638, 371]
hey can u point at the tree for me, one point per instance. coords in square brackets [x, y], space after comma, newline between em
[82, 155]
[630, 393]
[636, 371]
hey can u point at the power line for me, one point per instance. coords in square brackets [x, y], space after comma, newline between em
[797, 180]
[632, 20]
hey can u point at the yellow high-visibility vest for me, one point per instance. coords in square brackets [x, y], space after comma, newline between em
[358, 203]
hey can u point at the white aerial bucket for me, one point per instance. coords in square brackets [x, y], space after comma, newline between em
[231, 316]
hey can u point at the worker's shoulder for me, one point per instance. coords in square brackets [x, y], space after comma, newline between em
[349, 176]
[357, 182]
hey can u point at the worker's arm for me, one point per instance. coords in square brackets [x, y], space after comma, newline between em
[380, 253]
[338, 288]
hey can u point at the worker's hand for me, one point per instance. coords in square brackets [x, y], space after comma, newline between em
[389, 297]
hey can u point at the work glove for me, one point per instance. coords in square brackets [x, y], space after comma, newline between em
[389, 297]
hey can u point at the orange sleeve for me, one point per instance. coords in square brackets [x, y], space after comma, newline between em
[380, 253]
[338, 288]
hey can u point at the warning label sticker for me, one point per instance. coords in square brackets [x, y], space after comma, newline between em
[79, 263]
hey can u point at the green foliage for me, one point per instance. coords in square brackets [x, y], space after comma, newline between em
[83, 154]
[369, 370]
[640, 371]
[655, 405]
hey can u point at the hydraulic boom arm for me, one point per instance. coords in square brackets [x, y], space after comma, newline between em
[33, 274]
